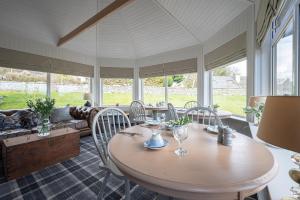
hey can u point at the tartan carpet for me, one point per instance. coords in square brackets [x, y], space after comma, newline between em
[77, 178]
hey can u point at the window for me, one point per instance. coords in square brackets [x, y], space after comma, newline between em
[69, 90]
[154, 90]
[17, 86]
[229, 87]
[117, 91]
[284, 74]
[182, 88]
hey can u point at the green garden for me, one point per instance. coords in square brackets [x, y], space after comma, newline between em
[17, 100]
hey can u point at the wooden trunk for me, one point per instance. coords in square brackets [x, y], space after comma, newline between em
[25, 154]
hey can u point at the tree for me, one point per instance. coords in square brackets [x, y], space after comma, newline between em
[178, 78]
[223, 71]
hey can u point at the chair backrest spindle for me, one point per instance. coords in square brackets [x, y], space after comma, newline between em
[105, 127]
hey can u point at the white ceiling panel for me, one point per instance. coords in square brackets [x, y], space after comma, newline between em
[142, 28]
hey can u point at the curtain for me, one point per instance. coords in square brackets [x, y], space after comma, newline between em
[170, 68]
[229, 52]
[116, 72]
[267, 10]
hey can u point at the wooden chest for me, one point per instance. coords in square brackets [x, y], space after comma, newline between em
[25, 154]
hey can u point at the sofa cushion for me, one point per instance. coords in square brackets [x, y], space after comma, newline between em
[79, 124]
[28, 119]
[11, 122]
[60, 115]
[2, 118]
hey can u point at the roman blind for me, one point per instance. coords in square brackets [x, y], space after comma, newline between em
[267, 10]
[116, 72]
[27, 61]
[170, 68]
[21, 60]
[229, 52]
[71, 68]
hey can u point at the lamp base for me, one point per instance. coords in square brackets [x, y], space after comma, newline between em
[295, 175]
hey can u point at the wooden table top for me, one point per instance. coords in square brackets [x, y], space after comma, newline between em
[34, 137]
[207, 168]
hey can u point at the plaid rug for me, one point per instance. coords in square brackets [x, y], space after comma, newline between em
[77, 178]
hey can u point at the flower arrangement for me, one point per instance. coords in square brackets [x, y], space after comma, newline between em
[256, 111]
[181, 121]
[42, 106]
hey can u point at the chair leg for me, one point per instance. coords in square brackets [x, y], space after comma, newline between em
[101, 192]
[127, 190]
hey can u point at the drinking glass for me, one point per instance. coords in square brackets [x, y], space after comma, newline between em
[180, 134]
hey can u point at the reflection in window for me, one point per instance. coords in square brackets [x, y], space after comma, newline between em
[229, 87]
[182, 88]
[17, 86]
[69, 90]
[154, 90]
[117, 91]
[283, 52]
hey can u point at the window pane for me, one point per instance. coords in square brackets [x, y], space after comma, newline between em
[154, 90]
[17, 86]
[69, 90]
[117, 91]
[182, 88]
[229, 87]
[284, 81]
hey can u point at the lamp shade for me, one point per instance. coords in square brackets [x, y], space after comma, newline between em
[280, 123]
[87, 96]
[255, 100]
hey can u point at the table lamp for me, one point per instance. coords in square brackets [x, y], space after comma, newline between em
[87, 97]
[256, 100]
[280, 126]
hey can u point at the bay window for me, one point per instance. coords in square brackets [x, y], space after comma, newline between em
[117, 91]
[69, 90]
[17, 86]
[229, 87]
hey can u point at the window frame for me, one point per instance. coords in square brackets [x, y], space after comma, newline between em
[291, 16]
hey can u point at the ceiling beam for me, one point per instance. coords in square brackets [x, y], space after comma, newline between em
[93, 20]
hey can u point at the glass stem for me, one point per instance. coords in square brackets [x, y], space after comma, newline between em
[179, 145]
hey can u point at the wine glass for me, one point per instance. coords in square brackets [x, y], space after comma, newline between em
[180, 134]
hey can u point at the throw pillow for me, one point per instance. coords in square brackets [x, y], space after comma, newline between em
[12, 122]
[2, 118]
[28, 119]
[60, 114]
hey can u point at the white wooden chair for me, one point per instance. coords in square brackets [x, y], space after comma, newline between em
[137, 113]
[198, 113]
[172, 114]
[106, 124]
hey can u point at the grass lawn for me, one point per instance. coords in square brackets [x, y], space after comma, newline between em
[17, 100]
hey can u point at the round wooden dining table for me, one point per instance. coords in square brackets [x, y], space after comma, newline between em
[208, 171]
